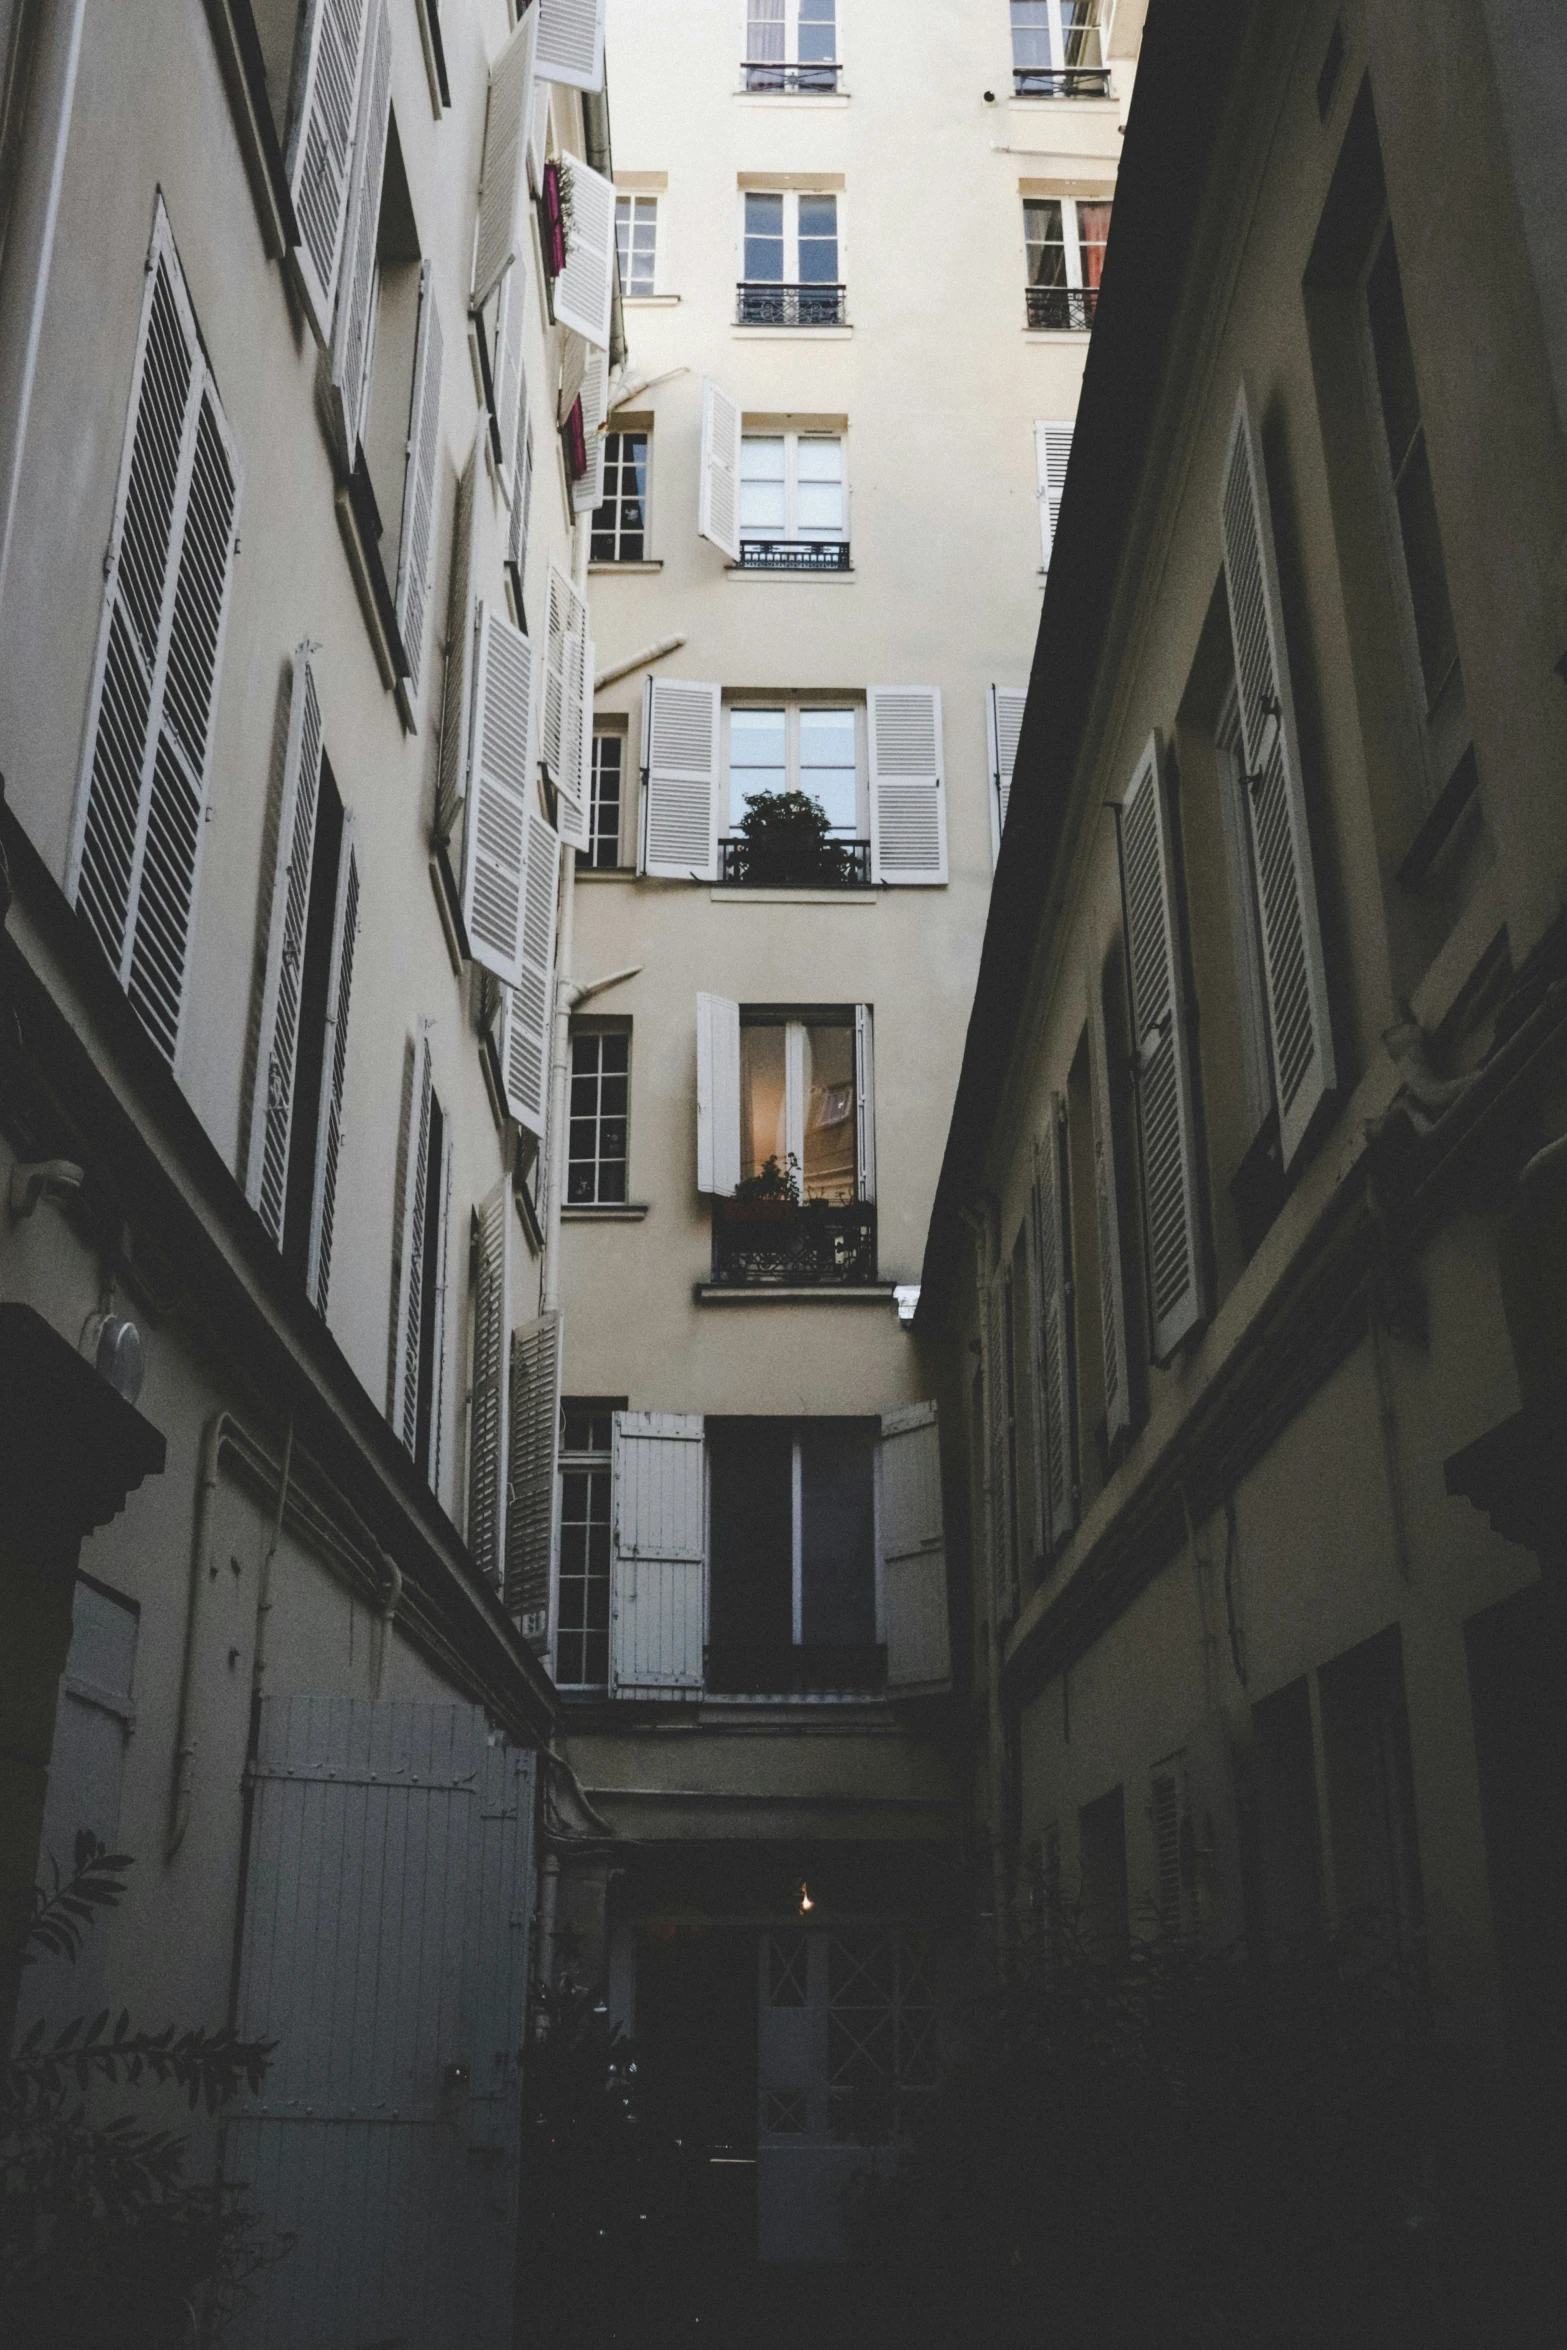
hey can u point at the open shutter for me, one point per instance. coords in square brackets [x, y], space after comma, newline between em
[538, 133]
[914, 1550]
[416, 545]
[1164, 1085]
[272, 1114]
[334, 1065]
[489, 1397]
[507, 117]
[409, 1265]
[680, 779]
[584, 292]
[658, 1597]
[568, 692]
[1004, 705]
[1052, 449]
[438, 1333]
[521, 502]
[321, 145]
[571, 42]
[1055, 1365]
[865, 1101]
[526, 1008]
[717, 1095]
[461, 605]
[354, 325]
[1300, 1029]
[500, 774]
[1107, 1212]
[719, 504]
[506, 385]
[998, 1515]
[589, 491]
[908, 810]
[532, 1496]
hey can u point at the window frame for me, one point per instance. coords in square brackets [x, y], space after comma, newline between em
[593, 861]
[626, 250]
[794, 1023]
[1060, 67]
[591, 1461]
[790, 275]
[792, 534]
[597, 1032]
[792, 704]
[796, 1423]
[615, 503]
[1071, 240]
[790, 63]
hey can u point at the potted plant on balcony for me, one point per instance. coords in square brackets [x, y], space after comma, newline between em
[788, 843]
[771, 1196]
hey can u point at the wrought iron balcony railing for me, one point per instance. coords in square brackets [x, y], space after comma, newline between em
[773, 1244]
[1069, 307]
[1061, 81]
[829, 864]
[786, 1671]
[764, 302]
[760, 74]
[794, 554]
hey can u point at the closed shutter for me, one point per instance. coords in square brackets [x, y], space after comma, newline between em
[416, 544]
[272, 1114]
[334, 1066]
[914, 1550]
[507, 117]
[865, 1101]
[571, 42]
[461, 605]
[998, 1516]
[1004, 706]
[717, 1095]
[353, 328]
[584, 292]
[489, 1397]
[1175, 1850]
[568, 690]
[438, 1335]
[526, 1008]
[589, 491]
[408, 1265]
[680, 777]
[1052, 450]
[719, 503]
[1112, 1285]
[658, 1588]
[908, 809]
[1300, 1029]
[500, 779]
[1166, 1123]
[321, 145]
[142, 801]
[532, 1497]
[1055, 1361]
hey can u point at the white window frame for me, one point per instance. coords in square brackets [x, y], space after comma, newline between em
[619, 736]
[792, 704]
[791, 56]
[622, 432]
[791, 534]
[859, 1024]
[1059, 62]
[1070, 235]
[592, 1463]
[791, 236]
[624, 245]
[591, 1033]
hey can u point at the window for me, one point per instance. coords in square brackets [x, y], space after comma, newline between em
[791, 45]
[786, 1143]
[596, 1142]
[636, 240]
[582, 1630]
[797, 746]
[793, 1555]
[797, 1105]
[1058, 49]
[790, 270]
[619, 532]
[1064, 238]
[609, 757]
[793, 502]
[419, 1351]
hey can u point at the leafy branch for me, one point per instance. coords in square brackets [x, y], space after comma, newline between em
[208, 2066]
[62, 1915]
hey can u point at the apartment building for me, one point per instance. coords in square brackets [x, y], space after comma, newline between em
[1246, 1260]
[305, 306]
[860, 248]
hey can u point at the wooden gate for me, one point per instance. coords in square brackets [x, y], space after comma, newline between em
[388, 1905]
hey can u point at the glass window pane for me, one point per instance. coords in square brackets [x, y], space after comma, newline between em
[837, 1536]
[827, 765]
[757, 756]
[764, 33]
[764, 1132]
[830, 1161]
[762, 457]
[818, 36]
[818, 240]
[1046, 245]
[764, 237]
[1030, 35]
[820, 509]
[762, 509]
[1080, 33]
[1093, 227]
[820, 458]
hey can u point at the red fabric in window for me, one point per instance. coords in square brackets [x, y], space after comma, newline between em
[1093, 227]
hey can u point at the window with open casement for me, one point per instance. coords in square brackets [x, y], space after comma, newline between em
[1058, 49]
[791, 271]
[794, 502]
[1064, 239]
[790, 46]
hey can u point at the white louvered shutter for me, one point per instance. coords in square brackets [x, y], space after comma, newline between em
[408, 1272]
[658, 1588]
[500, 778]
[680, 768]
[457, 692]
[142, 798]
[416, 544]
[1164, 1083]
[718, 515]
[568, 705]
[717, 1095]
[914, 1550]
[1299, 1023]
[998, 1515]
[521, 503]
[584, 292]
[1052, 1259]
[272, 1112]
[533, 1484]
[334, 1068]
[353, 326]
[506, 386]
[1052, 450]
[1107, 1213]
[589, 491]
[527, 1008]
[508, 114]
[437, 1467]
[320, 146]
[538, 134]
[865, 1100]
[571, 42]
[489, 1397]
[908, 803]
[1004, 706]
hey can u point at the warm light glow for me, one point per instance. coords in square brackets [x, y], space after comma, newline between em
[805, 1900]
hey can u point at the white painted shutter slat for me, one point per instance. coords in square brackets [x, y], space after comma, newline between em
[568, 704]
[584, 292]
[571, 42]
[658, 1596]
[438, 1333]
[1299, 1021]
[681, 779]
[717, 1095]
[408, 1270]
[416, 543]
[320, 147]
[500, 774]
[507, 394]
[521, 504]
[461, 611]
[589, 491]
[489, 1396]
[532, 1498]
[353, 324]
[908, 805]
[272, 1113]
[1112, 1284]
[1164, 1084]
[508, 114]
[865, 1100]
[339, 993]
[538, 132]
[1052, 453]
[1055, 1299]
[1004, 706]
[914, 1551]
[526, 1008]
[719, 502]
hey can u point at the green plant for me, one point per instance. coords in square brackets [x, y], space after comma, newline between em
[786, 838]
[773, 1182]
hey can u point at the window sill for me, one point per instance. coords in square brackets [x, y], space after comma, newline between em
[606, 872]
[825, 1293]
[627, 1212]
[728, 895]
[825, 99]
[1087, 104]
[791, 334]
[783, 571]
[652, 563]
[1055, 334]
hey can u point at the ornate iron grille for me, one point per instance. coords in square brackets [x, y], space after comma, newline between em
[774, 1244]
[1071, 307]
[1061, 81]
[763, 302]
[836, 864]
[759, 75]
[794, 554]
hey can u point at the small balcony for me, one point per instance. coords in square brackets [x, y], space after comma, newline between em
[827, 864]
[794, 555]
[765, 302]
[1068, 309]
[775, 1244]
[1061, 81]
[771, 75]
[796, 1671]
